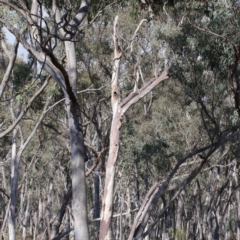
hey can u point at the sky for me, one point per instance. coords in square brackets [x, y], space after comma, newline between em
[21, 50]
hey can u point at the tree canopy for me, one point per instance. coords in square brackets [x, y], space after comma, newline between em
[123, 123]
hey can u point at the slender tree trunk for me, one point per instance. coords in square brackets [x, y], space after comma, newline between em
[16, 157]
[96, 213]
[14, 178]
[79, 191]
[207, 208]
[107, 208]
[199, 220]
[129, 208]
[40, 216]
[227, 214]
[180, 208]
[67, 224]
[4, 221]
[24, 230]
[49, 205]
[35, 225]
[57, 223]
[12, 57]
[97, 175]
[146, 178]
[4, 185]
[78, 152]
[121, 217]
[164, 221]
[22, 197]
[31, 224]
[238, 214]
[137, 185]
[236, 168]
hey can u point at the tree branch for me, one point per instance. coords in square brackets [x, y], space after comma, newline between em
[140, 93]
[12, 57]
[159, 189]
[24, 13]
[24, 111]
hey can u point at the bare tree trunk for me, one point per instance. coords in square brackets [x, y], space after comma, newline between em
[118, 109]
[107, 208]
[121, 217]
[207, 209]
[78, 157]
[137, 185]
[24, 224]
[49, 205]
[67, 224]
[129, 208]
[97, 176]
[187, 230]
[14, 178]
[147, 237]
[40, 216]
[227, 214]
[238, 214]
[31, 224]
[4, 185]
[4, 221]
[236, 169]
[96, 213]
[180, 208]
[35, 225]
[22, 197]
[78, 152]
[12, 57]
[146, 176]
[16, 157]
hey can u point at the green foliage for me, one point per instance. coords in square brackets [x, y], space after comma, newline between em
[190, 110]
[21, 74]
[156, 152]
[61, 3]
[179, 234]
[96, 6]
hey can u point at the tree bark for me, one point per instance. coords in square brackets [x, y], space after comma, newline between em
[24, 224]
[180, 208]
[78, 152]
[14, 177]
[12, 57]
[118, 110]
[16, 157]
[107, 208]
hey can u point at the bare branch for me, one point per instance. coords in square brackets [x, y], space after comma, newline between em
[24, 111]
[137, 95]
[159, 189]
[12, 57]
[4, 192]
[23, 12]
[136, 31]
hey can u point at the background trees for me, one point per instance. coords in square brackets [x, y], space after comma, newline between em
[159, 157]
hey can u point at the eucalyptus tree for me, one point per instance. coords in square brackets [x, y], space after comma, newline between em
[190, 116]
[201, 53]
[44, 38]
[206, 54]
[119, 108]
[16, 80]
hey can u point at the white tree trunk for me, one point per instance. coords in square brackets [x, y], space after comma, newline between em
[24, 231]
[107, 208]
[16, 157]
[78, 152]
[14, 177]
